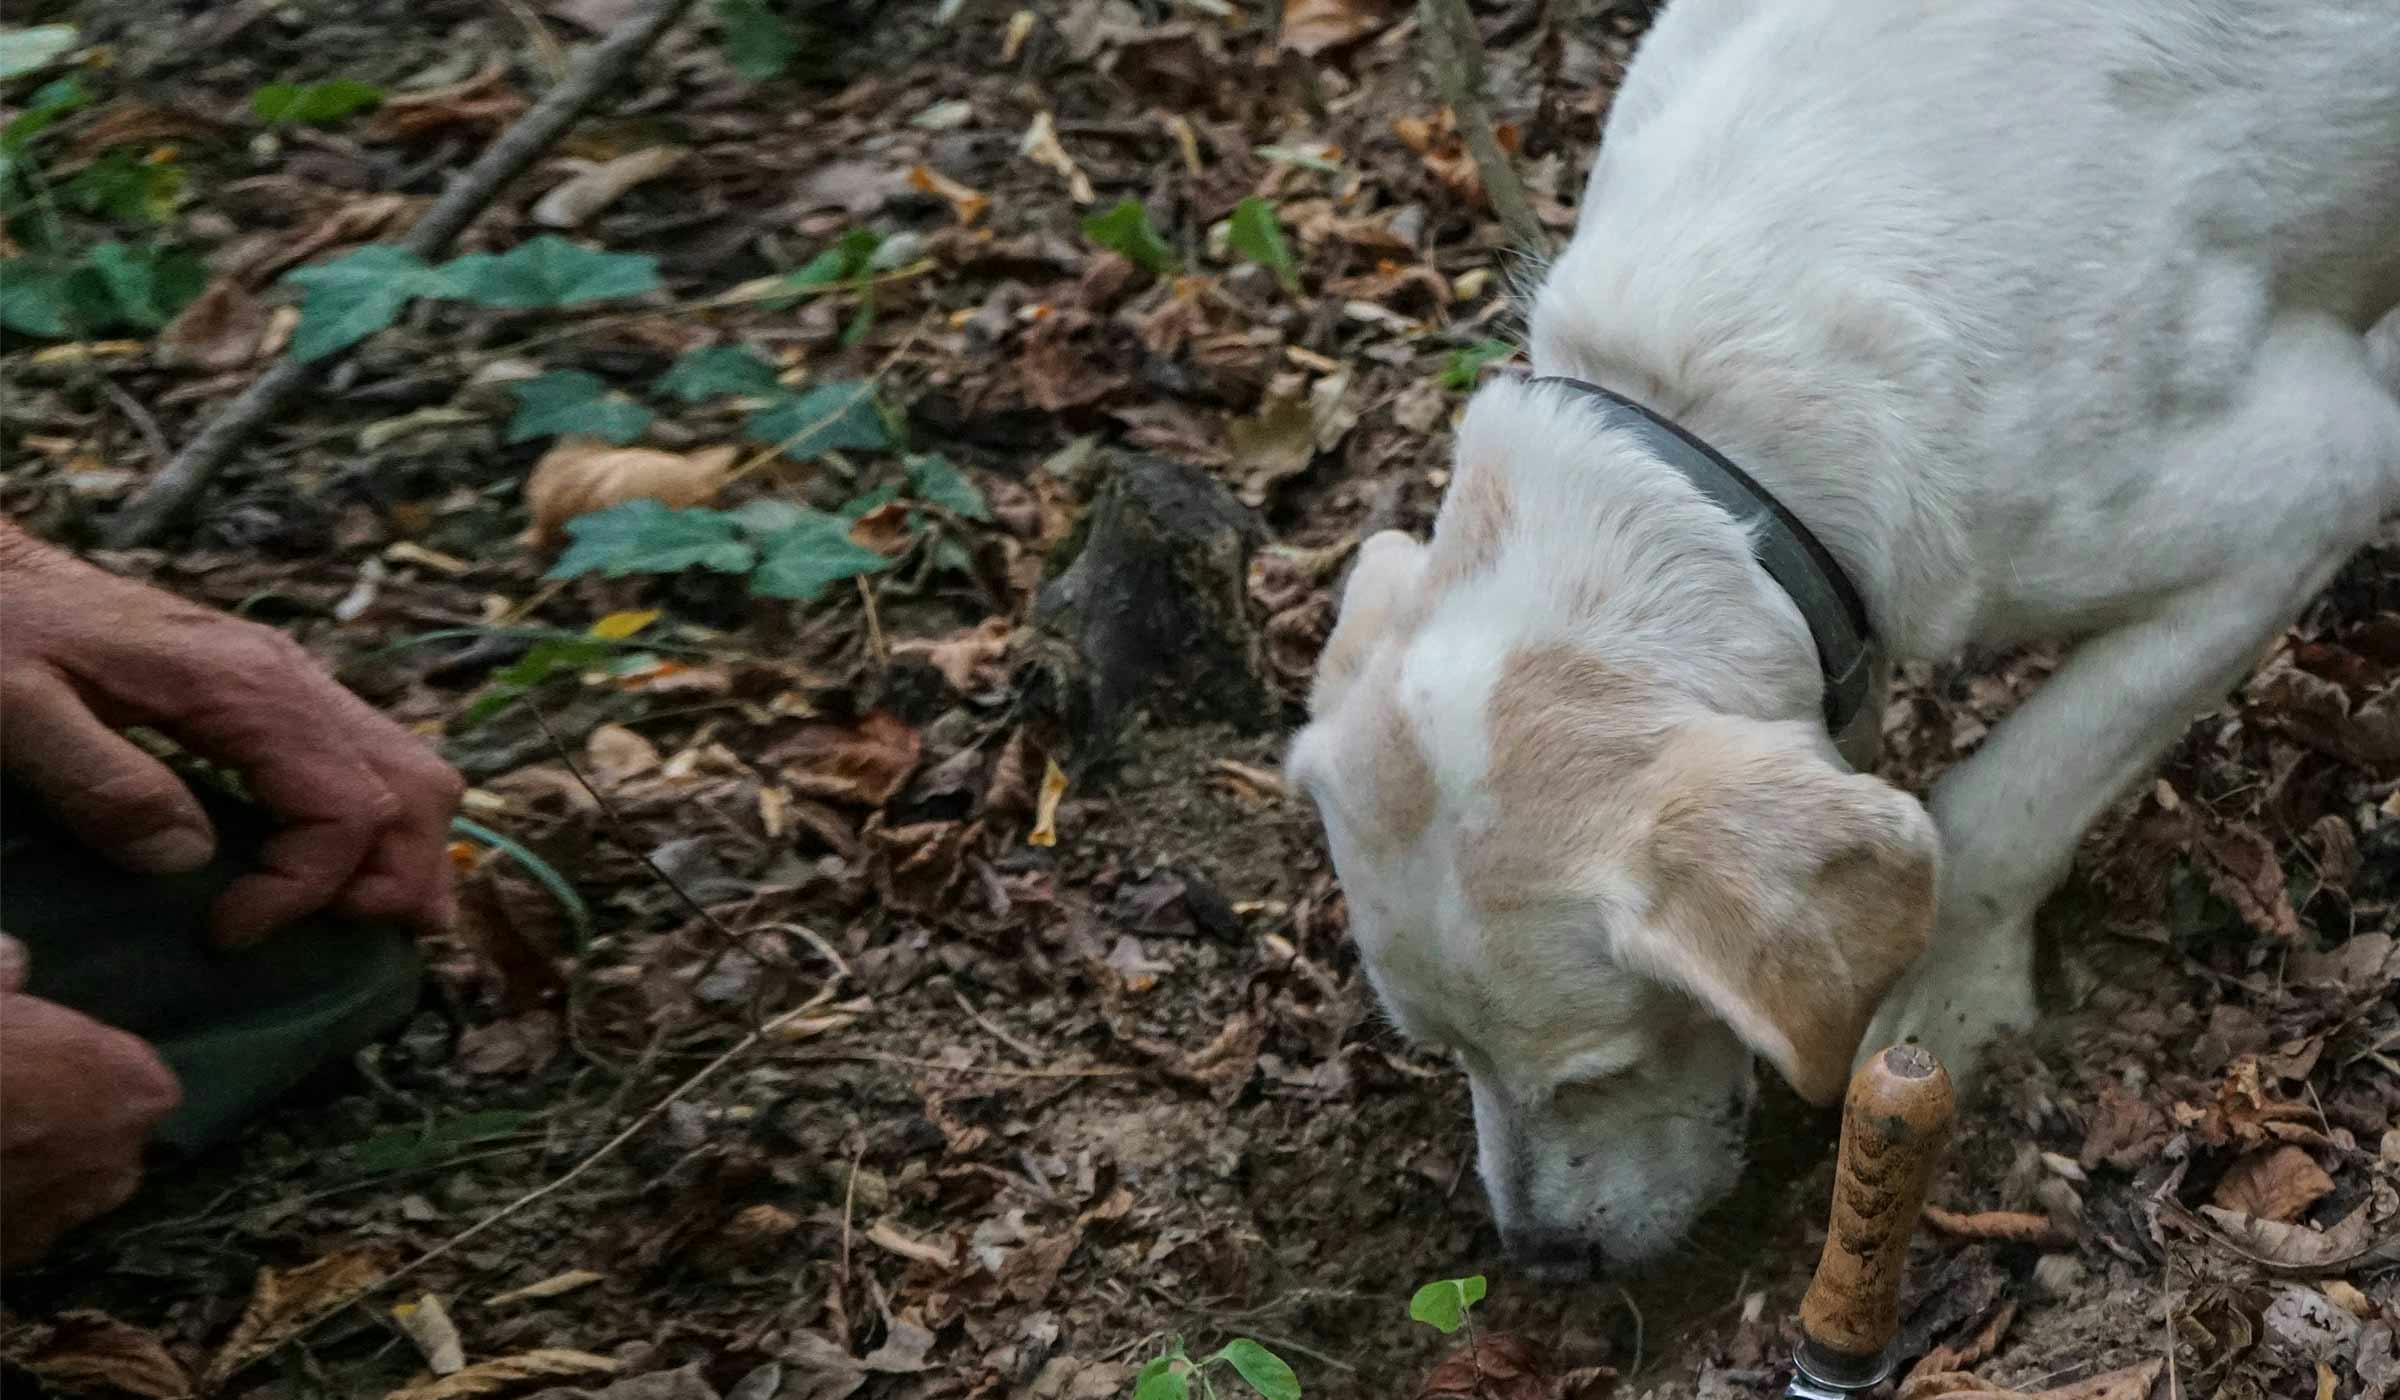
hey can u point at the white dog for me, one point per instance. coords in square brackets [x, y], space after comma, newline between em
[2048, 319]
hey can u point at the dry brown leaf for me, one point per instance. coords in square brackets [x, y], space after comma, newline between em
[221, 330]
[2000, 1227]
[484, 100]
[1310, 27]
[1045, 805]
[2347, 1297]
[2299, 1249]
[972, 661]
[126, 123]
[583, 474]
[1950, 1359]
[428, 1327]
[2130, 1383]
[284, 1303]
[907, 1246]
[2244, 871]
[614, 753]
[510, 1373]
[966, 203]
[552, 1287]
[84, 1351]
[1040, 145]
[865, 763]
[576, 200]
[1498, 1366]
[2275, 1184]
[883, 529]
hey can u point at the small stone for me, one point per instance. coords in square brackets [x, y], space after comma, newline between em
[2057, 1276]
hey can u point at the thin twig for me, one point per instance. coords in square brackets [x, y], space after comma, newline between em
[1028, 1052]
[617, 828]
[143, 423]
[572, 1174]
[602, 68]
[866, 1057]
[1456, 52]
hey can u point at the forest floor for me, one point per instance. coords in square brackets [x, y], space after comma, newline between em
[924, 1107]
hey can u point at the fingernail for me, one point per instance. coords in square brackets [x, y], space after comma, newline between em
[177, 850]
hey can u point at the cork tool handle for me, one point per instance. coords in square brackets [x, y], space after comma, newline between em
[1895, 1123]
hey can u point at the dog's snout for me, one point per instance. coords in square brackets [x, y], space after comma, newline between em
[1551, 1256]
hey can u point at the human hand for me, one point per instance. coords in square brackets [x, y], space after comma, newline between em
[363, 806]
[77, 1102]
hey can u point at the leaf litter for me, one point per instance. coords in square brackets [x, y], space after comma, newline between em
[1070, 1065]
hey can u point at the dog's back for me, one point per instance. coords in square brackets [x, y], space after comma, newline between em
[2014, 245]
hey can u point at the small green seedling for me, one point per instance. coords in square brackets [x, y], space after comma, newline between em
[1466, 365]
[1443, 1305]
[1171, 1377]
[1258, 235]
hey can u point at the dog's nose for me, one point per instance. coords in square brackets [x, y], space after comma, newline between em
[1549, 1256]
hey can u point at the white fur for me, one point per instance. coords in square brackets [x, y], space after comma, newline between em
[2054, 319]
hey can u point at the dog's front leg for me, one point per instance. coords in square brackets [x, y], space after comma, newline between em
[2012, 815]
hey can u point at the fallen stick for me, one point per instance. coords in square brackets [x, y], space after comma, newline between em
[597, 69]
[1458, 67]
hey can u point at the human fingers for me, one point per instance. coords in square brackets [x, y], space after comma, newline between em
[102, 786]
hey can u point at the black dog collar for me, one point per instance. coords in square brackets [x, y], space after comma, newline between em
[1793, 557]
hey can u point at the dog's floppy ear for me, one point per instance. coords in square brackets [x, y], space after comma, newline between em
[1786, 895]
[1382, 583]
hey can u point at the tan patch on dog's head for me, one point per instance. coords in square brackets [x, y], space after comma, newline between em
[1785, 893]
[1475, 520]
[1782, 892]
[1569, 733]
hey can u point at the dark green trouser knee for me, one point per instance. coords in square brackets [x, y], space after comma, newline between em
[240, 1029]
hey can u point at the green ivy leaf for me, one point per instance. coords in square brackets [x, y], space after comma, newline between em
[810, 555]
[839, 416]
[545, 272]
[718, 369]
[1127, 229]
[757, 41]
[647, 537]
[35, 296]
[934, 481]
[147, 286]
[352, 297]
[1442, 1305]
[1262, 1368]
[1163, 1379]
[1258, 235]
[22, 51]
[767, 515]
[1466, 365]
[123, 187]
[50, 101]
[313, 104]
[848, 258]
[572, 401]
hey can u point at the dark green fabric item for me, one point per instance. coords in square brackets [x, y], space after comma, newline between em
[239, 1028]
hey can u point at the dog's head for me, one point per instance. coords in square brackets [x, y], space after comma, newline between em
[1593, 839]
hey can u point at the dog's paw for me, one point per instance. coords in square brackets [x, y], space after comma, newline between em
[1957, 1006]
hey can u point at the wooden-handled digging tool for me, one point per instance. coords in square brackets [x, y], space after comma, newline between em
[1895, 1123]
